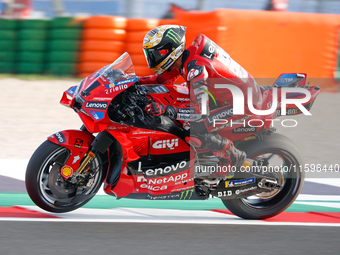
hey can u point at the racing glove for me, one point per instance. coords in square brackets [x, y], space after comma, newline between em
[155, 109]
[158, 109]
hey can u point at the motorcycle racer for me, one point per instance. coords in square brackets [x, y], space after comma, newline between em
[202, 65]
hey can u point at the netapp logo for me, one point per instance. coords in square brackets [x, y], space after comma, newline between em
[96, 105]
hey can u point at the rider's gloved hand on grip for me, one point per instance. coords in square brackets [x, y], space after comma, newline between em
[155, 108]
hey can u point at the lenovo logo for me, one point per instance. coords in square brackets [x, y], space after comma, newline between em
[96, 105]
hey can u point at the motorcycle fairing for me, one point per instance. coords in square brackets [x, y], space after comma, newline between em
[286, 79]
[78, 143]
[123, 187]
[138, 180]
[162, 174]
[188, 194]
[292, 109]
[67, 98]
[91, 98]
[94, 112]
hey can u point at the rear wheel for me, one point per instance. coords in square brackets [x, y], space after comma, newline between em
[49, 190]
[279, 151]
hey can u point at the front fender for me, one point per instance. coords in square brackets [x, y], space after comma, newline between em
[78, 143]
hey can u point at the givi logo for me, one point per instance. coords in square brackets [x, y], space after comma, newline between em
[169, 144]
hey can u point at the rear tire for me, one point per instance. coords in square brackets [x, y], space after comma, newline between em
[274, 145]
[43, 170]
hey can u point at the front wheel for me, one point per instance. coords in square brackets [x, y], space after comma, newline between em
[49, 190]
[281, 152]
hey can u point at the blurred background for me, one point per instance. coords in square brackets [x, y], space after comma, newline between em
[76, 37]
[158, 9]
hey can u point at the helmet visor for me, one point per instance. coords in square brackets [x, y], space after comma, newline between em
[156, 56]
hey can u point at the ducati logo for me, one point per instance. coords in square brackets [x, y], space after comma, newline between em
[166, 144]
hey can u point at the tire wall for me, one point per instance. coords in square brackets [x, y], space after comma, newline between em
[103, 41]
[136, 30]
[269, 43]
[63, 46]
[32, 46]
[8, 45]
[265, 43]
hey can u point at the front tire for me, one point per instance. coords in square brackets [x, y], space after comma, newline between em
[280, 148]
[49, 190]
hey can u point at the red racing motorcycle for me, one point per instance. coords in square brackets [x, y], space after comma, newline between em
[140, 156]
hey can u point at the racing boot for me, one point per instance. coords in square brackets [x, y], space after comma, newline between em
[231, 158]
[231, 162]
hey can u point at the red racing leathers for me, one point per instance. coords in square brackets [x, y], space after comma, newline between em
[205, 64]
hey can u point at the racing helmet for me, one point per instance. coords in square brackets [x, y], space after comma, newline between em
[163, 45]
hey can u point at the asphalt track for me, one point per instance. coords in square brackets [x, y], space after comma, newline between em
[123, 238]
[316, 136]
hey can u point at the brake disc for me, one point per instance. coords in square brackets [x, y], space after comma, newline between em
[58, 186]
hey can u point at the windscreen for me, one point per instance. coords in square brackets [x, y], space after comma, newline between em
[110, 75]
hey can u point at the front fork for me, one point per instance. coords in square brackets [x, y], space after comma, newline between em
[83, 147]
[90, 155]
[101, 144]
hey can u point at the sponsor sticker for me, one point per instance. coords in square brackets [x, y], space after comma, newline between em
[224, 193]
[209, 50]
[67, 171]
[71, 90]
[78, 143]
[189, 117]
[246, 190]
[97, 115]
[60, 137]
[75, 159]
[244, 130]
[96, 105]
[166, 170]
[167, 63]
[153, 188]
[289, 111]
[186, 110]
[182, 99]
[239, 182]
[164, 180]
[115, 88]
[168, 144]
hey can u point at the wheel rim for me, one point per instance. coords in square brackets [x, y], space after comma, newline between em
[55, 195]
[290, 182]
